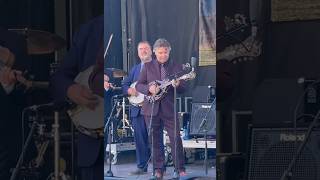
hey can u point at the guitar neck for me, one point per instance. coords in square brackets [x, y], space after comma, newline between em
[166, 84]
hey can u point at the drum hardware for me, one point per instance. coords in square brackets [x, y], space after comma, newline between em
[123, 114]
[117, 73]
[126, 130]
[40, 42]
[120, 125]
[42, 138]
[53, 67]
[17, 168]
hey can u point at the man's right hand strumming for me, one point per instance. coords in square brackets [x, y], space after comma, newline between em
[81, 95]
[132, 92]
[154, 89]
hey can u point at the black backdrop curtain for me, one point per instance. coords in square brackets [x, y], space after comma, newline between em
[84, 10]
[112, 25]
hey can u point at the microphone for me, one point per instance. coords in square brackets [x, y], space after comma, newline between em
[40, 106]
[120, 96]
[193, 62]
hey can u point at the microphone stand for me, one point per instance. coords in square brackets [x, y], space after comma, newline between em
[107, 48]
[287, 174]
[176, 171]
[109, 172]
[150, 132]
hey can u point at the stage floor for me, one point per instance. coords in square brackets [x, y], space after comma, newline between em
[126, 164]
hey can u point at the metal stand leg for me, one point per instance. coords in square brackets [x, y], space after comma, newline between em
[150, 133]
[153, 177]
[55, 128]
[24, 149]
[176, 158]
[206, 152]
[109, 173]
[72, 152]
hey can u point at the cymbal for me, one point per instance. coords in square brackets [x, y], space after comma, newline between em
[41, 42]
[117, 73]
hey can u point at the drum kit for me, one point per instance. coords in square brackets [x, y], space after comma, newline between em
[38, 43]
[120, 125]
[42, 131]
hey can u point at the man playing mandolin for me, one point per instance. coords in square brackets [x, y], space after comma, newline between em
[161, 113]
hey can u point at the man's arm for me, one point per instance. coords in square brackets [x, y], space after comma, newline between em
[142, 84]
[127, 81]
[64, 76]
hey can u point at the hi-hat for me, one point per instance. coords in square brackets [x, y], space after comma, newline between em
[41, 42]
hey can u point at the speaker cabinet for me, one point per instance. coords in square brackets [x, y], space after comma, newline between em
[203, 112]
[272, 149]
[230, 166]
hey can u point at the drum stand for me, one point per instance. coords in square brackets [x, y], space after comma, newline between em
[57, 175]
[16, 170]
[56, 139]
[123, 115]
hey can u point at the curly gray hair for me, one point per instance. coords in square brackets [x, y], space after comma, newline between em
[161, 42]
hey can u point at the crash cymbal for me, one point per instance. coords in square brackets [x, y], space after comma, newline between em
[41, 42]
[117, 73]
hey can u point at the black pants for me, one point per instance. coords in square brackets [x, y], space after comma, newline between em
[95, 171]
